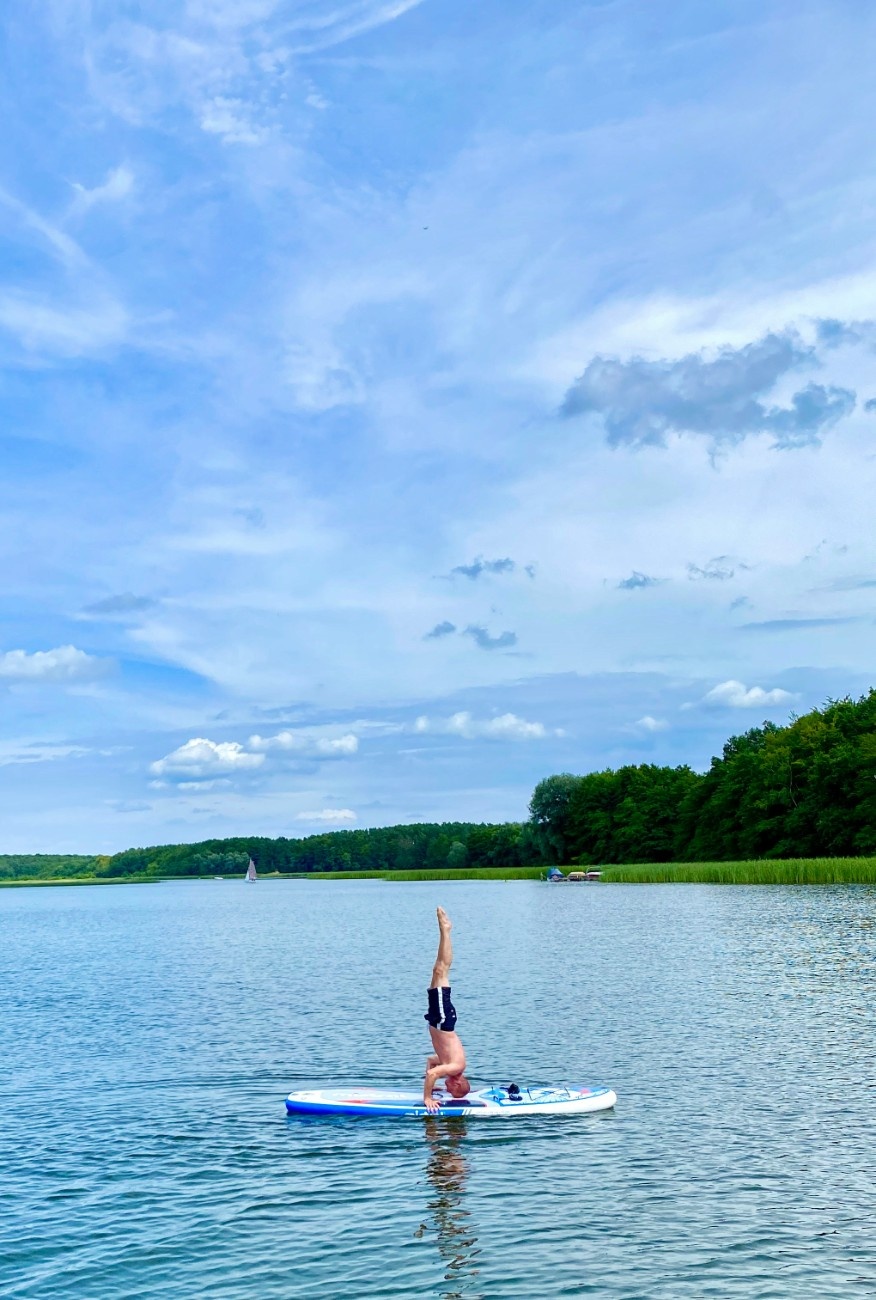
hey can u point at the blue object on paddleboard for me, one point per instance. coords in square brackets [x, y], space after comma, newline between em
[485, 1103]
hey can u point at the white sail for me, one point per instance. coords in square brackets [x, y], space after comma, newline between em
[251, 871]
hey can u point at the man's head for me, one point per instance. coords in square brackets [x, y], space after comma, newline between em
[458, 1085]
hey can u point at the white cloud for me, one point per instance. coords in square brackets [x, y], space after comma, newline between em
[734, 695]
[220, 783]
[336, 27]
[231, 121]
[206, 758]
[647, 723]
[63, 664]
[65, 249]
[328, 816]
[505, 727]
[117, 186]
[302, 743]
[37, 753]
[40, 324]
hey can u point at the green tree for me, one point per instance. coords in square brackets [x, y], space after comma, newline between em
[549, 814]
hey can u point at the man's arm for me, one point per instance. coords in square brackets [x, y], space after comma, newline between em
[433, 1074]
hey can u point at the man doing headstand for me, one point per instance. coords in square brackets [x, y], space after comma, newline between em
[448, 1062]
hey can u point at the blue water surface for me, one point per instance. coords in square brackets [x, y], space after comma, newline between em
[148, 1035]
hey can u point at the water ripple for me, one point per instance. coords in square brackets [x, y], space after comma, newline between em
[147, 1038]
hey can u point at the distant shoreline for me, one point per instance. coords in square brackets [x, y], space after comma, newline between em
[777, 871]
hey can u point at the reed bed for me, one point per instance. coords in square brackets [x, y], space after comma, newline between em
[763, 871]
[772, 871]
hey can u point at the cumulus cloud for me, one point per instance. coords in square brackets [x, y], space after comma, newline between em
[200, 757]
[651, 725]
[480, 566]
[636, 580]
[484, 641]
[734, 695]
[722, 398]
[124, 603]
[440, 630]
[63, 664]
[328, 816]
[505, 727]
[306, 744]
[718, 569]
[870, 404]
[837, 333]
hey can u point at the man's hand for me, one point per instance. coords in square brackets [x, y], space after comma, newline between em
[433, 1074]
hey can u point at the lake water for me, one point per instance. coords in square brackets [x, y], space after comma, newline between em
[149, 1033]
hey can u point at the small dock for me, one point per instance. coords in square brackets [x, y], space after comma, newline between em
[556, 877]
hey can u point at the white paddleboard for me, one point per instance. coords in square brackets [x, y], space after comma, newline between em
[485, 1103]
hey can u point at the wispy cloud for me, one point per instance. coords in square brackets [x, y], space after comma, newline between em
[124, 603]
[77, 329]
[12, 754]
[334, 27]
[720, 397]
[849, 584]
[328, 816]
[52, 237]
[797, 624]
[485, 641]
[118, 185]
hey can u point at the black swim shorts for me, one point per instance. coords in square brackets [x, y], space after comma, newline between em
[442, 1012]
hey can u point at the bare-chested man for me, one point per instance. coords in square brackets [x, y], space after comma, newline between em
[448, 1062]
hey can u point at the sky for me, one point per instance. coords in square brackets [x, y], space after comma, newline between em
[403, 401]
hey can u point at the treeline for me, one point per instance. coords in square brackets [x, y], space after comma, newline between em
[425, 846]
[804, 790]
[46, 866]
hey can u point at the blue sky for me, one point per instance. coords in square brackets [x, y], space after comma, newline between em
[403, 401]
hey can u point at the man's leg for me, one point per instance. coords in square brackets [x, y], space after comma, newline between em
[444, 959]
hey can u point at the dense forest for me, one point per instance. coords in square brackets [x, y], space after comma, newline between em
[804, 790]
[46, 866]
[426, 846]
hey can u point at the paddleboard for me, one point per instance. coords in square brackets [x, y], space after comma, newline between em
[486, 1103]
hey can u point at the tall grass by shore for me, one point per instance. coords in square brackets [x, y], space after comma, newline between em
[784, 871]
[773, 871]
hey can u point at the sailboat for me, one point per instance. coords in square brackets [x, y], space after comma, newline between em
[251, 871]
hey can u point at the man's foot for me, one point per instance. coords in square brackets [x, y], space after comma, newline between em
[444, 922]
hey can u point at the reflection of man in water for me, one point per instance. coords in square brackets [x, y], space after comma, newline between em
[447, 1170]
[448, 1062]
